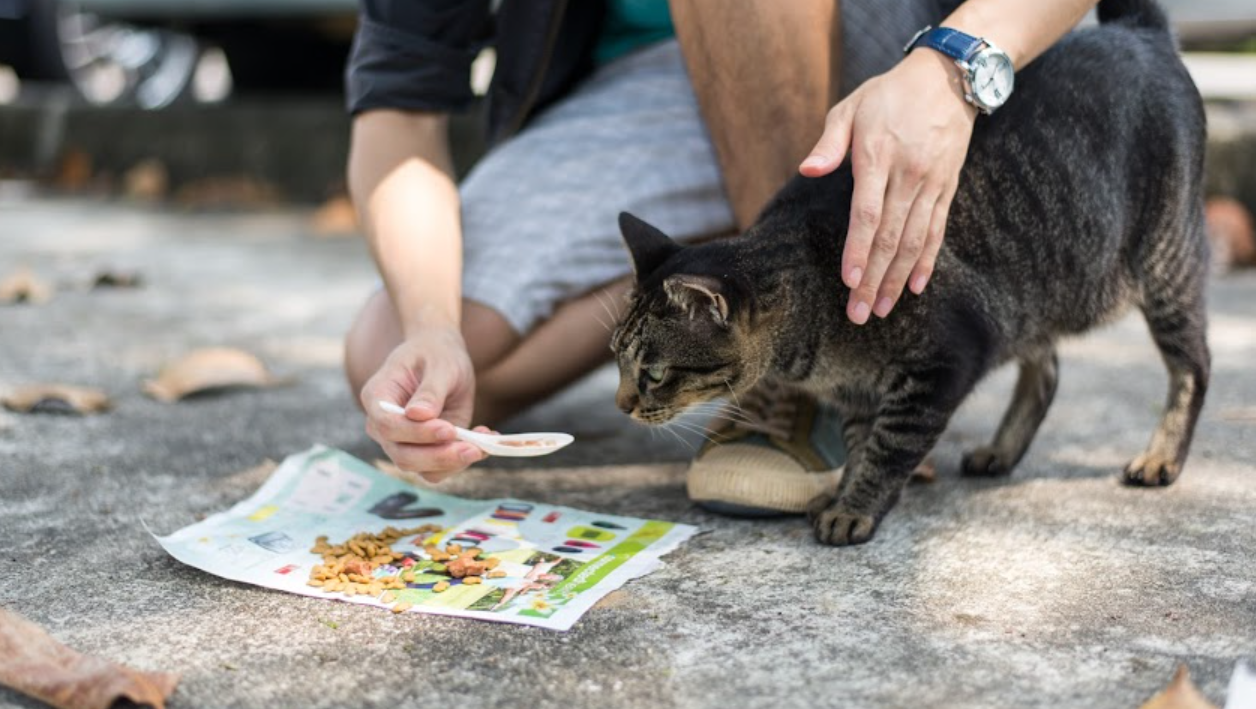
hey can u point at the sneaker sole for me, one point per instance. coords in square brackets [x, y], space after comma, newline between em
[755, 493]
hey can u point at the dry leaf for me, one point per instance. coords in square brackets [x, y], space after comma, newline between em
[1230, 230]
[74, 172]
[35, 664]
[204, 370]
[254, 476]
[147, 181]
[1247, 415]
[1180, 694]
[390, 468]
[23, 286]
[336, 217]
[56, 398]
[118, 279]
[926, 472]
[227, 193]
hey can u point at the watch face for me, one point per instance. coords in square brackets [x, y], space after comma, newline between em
[992, 78]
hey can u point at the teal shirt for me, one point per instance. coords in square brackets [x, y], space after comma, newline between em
[631, 25]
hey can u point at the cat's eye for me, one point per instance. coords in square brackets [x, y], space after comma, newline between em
[656, 372]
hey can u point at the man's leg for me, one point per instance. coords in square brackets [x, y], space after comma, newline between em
[765, 73]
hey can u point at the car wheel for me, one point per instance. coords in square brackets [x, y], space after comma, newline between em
[109, 61]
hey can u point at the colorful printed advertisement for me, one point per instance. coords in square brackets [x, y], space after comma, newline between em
[552, 563]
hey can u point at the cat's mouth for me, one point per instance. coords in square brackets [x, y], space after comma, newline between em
[656, 416]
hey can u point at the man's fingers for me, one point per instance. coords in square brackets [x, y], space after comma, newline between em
[910, 247]
[428, 401]
[393, 428]
[831, 148]
[865, 217]
[884, 247]
[923, 271]
[434, 463]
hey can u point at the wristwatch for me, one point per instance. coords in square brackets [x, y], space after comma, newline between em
[986, 70]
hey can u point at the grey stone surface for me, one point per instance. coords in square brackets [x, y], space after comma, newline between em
[1055, 587]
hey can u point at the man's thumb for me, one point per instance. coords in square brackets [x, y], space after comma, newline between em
[428, 400]
[831, 148]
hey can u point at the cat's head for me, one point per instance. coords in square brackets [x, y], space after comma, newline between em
[689, 335]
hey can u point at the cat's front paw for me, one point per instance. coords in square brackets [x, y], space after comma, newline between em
[1151, 470]
[837, 524]
[985, 462]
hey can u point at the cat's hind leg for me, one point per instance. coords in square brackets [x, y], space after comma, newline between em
[1035, 389]
[1173, 305]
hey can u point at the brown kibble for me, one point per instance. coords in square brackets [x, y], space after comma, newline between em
[388, 597]
[314, 582]
[453, 549]
[359, 567]
[402, 607]
[472, 580]
[497, 574]
[465, 566]
[491, 562]
[440, 586]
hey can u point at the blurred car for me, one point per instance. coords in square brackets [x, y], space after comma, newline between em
[148, 51]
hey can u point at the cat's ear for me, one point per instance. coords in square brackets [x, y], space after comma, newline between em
[649, 246]
[698, 295]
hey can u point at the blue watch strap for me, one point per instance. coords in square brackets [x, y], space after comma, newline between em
[952, 43]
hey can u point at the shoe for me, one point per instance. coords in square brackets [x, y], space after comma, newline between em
[768, 454]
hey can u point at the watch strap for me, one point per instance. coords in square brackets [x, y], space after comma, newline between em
[953, 43]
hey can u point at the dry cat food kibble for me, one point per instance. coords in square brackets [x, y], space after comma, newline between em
[527, 443]
[350, 567]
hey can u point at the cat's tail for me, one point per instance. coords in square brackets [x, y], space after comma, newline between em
[1135, 13]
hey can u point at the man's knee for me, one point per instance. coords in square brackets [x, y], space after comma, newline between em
[375, 332]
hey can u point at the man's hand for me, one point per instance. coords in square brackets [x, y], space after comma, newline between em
[430, 374]
[908, 132]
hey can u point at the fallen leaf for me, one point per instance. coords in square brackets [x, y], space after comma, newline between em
[390, 468]
[35, 664]
[1241, 415]
[1180, 694]
[23, 286]
[147, 181]
[227, 193]
[336, 217]
[1230, 230]
[254, 476]
[118, 279]
[74, 171]
[56, 398]
[208, 369]
[926, 472]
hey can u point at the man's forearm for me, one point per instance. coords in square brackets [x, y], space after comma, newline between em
[1022, 28]
[401, 179]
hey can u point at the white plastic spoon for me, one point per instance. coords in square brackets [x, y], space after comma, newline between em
[517, 445]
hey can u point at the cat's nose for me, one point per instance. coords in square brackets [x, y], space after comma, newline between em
[626, 401]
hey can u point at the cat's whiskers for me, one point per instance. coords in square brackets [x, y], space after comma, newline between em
[613, 315]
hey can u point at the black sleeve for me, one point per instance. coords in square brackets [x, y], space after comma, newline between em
[415, 54]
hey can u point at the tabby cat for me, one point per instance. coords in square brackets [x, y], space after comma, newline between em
[1080, 198]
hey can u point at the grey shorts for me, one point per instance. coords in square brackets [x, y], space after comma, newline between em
[539, 212]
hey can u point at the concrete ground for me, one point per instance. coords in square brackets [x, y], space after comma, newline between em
[1055, 587]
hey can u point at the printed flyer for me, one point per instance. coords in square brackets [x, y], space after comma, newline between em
[549, 564]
